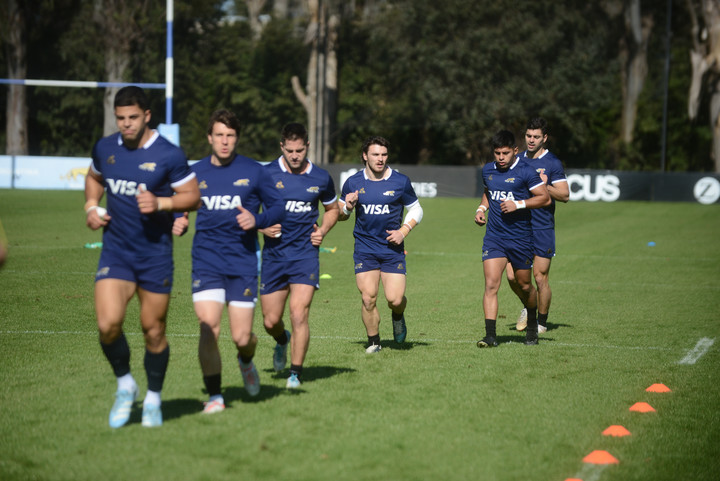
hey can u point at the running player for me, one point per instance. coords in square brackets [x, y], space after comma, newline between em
[511, 189]
[225, 268]
[380, 195]
[145, 177]
[290, 263]
[552, 174]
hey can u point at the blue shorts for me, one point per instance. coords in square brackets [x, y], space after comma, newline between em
[152, 273]
[393, 263]
[236, 288]
[278, 274]
[544, 243]
[519, 252]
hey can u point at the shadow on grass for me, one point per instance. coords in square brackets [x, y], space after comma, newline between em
[550, 326]
[387, 344]
[177, 408]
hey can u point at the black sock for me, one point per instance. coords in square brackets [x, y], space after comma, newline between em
[156, 367]
[245, 360]
[397, 317]
[532, 325]
[294, 368]
[118, 354]
[282, 338]
[490, 327]
[212, 384]
[542, 319]
[374, 340]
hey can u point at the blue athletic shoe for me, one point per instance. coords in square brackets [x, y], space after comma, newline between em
[280, 354]
[293, 382]
[399, 330]
[120, 412]
[152, 416]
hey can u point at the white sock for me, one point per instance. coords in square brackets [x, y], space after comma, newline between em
[126, 383]
[217, 397]
[152, 398]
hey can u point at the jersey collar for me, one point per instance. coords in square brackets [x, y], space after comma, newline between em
[147, 144]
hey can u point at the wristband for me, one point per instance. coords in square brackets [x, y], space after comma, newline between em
[404, 234]
[345, 211]
[92, 208]
[520, 204]
[482, 208]
[90, 205]
[408, 226]
[164, 203]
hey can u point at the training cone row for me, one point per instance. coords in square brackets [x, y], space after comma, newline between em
[604, 458]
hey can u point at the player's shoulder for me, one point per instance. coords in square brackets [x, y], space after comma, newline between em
[110, 142]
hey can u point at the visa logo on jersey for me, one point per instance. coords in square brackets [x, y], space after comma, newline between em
[501, 195]
[222, 202]
[125, 187]
[298, 206]
[375, 209]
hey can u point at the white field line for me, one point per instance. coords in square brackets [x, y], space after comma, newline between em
[702, 346]
[348, 338]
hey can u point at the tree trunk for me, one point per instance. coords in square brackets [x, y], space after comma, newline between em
[634, 52]
[254, 9]
[16, 112]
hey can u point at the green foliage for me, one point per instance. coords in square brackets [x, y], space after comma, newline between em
[436, 408]
[436, 78]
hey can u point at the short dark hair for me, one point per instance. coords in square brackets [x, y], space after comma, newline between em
[375, 140]
[131, 95]
[225, 117]
[538, 123]
[504, 138]
[294, 131]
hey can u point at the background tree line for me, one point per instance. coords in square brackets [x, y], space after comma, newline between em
[436, 78]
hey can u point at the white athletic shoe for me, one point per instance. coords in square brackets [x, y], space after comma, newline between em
[212, 407]
[250, 378]
[373, 348]
[293, 382]
[522, 321]
[542, 329]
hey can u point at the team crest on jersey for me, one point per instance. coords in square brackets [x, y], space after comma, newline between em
[314, 189]
[312, 276]
[111, 160]
[242, 182]
[279, 185]
[149, 166]
[166, 282]
[247, 292]
[540, 170]
[196, 283]
[262, 287]
[390, 193]
[485, 253]
[510, 180]
[362, 190]
[528, 262]
[103, 272]
[400, 267]
[358, 266]
[203, 184]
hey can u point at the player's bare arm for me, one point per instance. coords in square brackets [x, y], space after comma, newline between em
[540, 198]
[274, 230]
[480, 218]
[346, 206]
[559, 191]
[95, 216]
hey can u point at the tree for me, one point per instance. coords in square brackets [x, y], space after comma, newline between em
[14, 15]
[705, 62]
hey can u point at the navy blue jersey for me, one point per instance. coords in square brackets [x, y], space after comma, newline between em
[158, 167]
[220, 245]
[379, 209]
[548, 164]
[515, 183]
[301, 194]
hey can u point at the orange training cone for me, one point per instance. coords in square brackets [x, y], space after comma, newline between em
[600, 457]
[616, 431]
[658, 388]
[642, 408]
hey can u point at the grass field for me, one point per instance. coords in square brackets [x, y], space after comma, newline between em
[624, 316]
